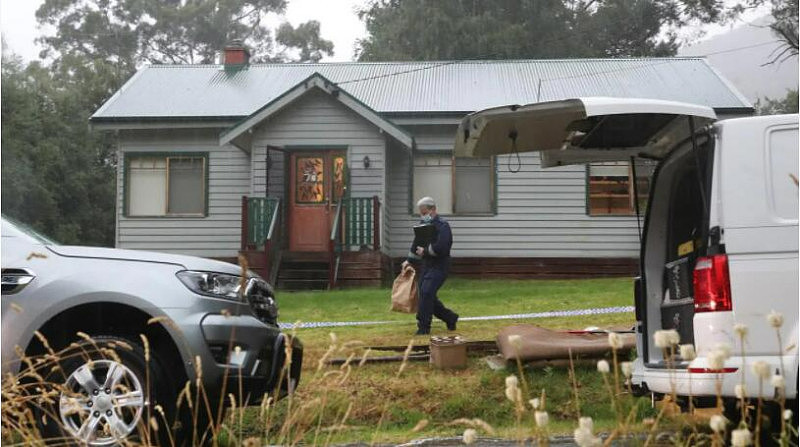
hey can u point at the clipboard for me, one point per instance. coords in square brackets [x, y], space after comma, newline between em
[423, 235]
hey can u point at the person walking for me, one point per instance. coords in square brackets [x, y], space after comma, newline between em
[435, 262]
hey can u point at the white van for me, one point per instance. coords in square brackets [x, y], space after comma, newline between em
[720, 238]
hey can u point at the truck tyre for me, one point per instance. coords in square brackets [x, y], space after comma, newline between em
[107, 392]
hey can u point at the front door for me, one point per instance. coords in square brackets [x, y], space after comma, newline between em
[317, 181]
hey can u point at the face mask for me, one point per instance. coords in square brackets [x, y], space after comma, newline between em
[427, 218]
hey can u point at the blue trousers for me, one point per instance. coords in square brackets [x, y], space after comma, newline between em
[429, 304]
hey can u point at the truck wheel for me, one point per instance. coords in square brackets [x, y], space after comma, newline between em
[106, 392]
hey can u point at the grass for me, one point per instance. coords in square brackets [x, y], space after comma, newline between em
[379, 397]
[467, 297]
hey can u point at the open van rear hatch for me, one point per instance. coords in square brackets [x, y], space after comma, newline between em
[582, 130]
[589, 130]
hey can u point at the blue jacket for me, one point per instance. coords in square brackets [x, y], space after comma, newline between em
[437, 253]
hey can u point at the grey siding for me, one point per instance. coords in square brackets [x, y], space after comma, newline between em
[319, 121]
[218, 234]
[540, 212]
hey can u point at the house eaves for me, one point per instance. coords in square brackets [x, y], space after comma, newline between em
[239, 134]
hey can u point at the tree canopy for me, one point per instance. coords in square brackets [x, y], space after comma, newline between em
[510, 29]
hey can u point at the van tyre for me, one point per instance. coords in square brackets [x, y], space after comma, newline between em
[105, 392]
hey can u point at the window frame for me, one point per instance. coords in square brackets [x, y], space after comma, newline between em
[412, 209]
[632, 205]
[128, 156]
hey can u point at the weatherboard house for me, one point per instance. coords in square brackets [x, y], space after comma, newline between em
[311, 171]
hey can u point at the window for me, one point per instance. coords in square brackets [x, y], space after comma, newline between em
[310, 187]
[466, 188]
[610, 189]
[474, 186]
[160, 185]
[433, 176]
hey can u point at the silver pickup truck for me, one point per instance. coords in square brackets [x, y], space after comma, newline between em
[169, 320]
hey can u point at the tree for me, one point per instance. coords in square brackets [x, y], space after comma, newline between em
[507, 29]
[58, 174]
[130, 32]
[784, 27]
[787, 104]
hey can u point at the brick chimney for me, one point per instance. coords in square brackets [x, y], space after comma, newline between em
[235, 55]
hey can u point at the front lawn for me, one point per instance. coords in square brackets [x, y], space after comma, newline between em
[385, 405]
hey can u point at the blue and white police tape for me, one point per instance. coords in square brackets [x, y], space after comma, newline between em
[550, 314]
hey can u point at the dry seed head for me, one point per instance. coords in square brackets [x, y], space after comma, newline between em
[512, 381]
[741, 330]
[717, 423]
[775, 319]
[741, 437]
[346, 363]
[603, 367]
[420, 426]
[723, 348]
[778, 381]
[542, 418]
[586, 423]
[364, 357]
[483, 425]
[687, 352]
[761, 369]
[153, 423]
[666, 338]
[716, 359]
[333, 337]
[534, 403]
[740, 391]
[513, 393]
[146, 344]
[615, 341]
[627, 369]
[515, 340]
[787, 415]
[470, 435]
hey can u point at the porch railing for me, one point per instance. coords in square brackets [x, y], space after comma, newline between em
[261, 229]
[356, 225]
[362, 222]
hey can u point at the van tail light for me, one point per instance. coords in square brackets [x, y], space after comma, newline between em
[712, 284]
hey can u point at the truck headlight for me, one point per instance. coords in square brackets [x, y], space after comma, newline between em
[217, 285]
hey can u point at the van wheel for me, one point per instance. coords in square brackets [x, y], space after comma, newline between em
[104, 393]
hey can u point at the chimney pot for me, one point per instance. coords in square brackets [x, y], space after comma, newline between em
[236, 55]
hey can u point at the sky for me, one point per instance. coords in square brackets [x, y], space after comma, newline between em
[338, 22]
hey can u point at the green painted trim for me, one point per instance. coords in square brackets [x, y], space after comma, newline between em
[496, 185]
[587, 180]
[411, 183]
[151, 119]
[126, 174]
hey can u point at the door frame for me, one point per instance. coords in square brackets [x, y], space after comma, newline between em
[290, 151]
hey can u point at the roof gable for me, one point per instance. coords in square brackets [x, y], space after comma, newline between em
[314, 82]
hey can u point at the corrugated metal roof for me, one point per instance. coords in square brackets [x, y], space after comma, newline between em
[185, 91]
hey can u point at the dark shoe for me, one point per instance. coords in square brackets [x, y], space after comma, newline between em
[422, 332]
[452, 326]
